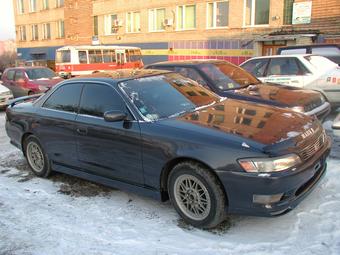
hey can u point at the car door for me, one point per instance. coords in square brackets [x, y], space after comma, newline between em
[20, 81]
[55, 124]
[285, 71]
[108, 149]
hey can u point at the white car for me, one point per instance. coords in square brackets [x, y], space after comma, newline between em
[303, 71]
[5, 95]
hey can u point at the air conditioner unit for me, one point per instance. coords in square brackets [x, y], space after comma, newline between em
[117, 23]
[168, 22]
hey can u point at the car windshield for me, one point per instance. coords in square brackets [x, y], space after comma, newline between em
[40, 73]
[226, 76]
[167, 95]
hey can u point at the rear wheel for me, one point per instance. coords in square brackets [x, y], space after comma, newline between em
[36, 157]
[197, 195]
[30, 93]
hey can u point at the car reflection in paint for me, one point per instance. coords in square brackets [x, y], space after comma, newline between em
[229, 80]
[162, 135]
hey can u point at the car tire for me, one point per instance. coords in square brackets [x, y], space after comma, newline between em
[30, 93]
[197, 195]
[37, 159]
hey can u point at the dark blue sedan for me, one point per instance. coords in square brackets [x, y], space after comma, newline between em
[162, 135]
[229, 80]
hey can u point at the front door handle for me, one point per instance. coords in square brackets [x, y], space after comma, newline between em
[82, 131]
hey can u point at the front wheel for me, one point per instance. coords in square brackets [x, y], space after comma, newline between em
[36, 157]
[197, 195]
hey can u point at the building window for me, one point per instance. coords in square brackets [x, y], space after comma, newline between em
[110, 26]
[46, 31]
[59, 3]
[156, 19]
[133, 22]
[288, 12]
[34, 32]
[186, 17]
[20, 6]
[256, 12]
[218, 14]
[95, 25]
[22, 33]
[45, 4]
[60, 29]
[32, 5]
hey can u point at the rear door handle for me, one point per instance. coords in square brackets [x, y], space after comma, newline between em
[82, 131]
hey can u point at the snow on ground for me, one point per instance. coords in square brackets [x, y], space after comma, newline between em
[66, 215]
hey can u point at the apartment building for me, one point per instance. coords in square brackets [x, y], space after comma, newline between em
[233, 30]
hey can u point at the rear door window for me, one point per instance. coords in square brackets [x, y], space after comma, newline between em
[98, 98]
[256, 66]
[65, 98]
[283, 66]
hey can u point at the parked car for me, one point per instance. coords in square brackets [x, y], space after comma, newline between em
[330, 51]
[303, 71]
[23, 81]
[229, 80]
[160, 134]
[5, 95]
[336, 126]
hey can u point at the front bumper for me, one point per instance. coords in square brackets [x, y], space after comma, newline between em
[293, 185]
[4, 100]
[320, 112]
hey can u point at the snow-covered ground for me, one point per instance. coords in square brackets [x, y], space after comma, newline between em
[65, 215]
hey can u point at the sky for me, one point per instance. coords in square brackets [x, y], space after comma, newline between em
[7, 27]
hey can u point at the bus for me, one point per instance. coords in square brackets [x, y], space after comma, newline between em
[78, 60]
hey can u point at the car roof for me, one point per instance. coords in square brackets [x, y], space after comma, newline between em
[187, 62]
[122, 74]
[284, 56]
[26, 67]
[310, 45]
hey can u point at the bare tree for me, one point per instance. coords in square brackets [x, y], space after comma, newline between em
[7, 60]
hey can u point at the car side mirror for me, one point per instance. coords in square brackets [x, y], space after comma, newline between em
[114, 116]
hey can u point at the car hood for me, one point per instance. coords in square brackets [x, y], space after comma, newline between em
[280, 95]
[47, 82]
[3, 88]
[250, 123]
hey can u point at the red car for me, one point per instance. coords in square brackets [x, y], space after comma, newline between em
[23, 81]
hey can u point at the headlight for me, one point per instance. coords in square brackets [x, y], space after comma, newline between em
[266, 165]
[42, 88]
[6, 93]
[298, 109]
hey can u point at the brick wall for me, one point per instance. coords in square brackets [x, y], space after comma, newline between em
[78, 22]
[325, 16]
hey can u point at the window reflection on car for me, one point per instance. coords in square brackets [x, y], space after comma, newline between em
[162, 96]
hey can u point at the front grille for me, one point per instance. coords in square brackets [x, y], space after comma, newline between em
[312, 148]
[312, 105]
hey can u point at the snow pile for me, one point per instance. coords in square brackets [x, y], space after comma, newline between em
[65, 215]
